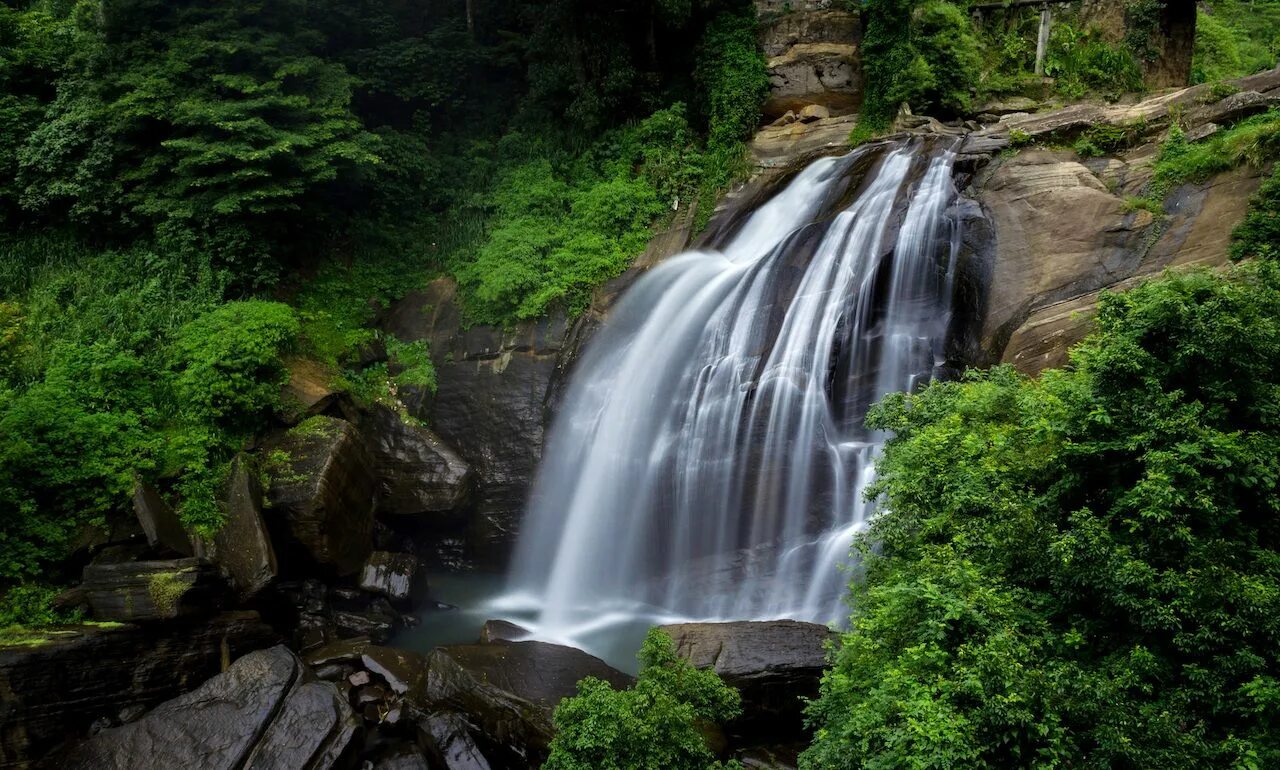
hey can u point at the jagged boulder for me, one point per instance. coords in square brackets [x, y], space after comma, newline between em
[417, 471]
[242, 548]
[509, 691]
[449, 741]
[265, 711]
[775, 665]
[53, 687]
[397, 576]
[159, 521]
[321, 494]
[152, 590]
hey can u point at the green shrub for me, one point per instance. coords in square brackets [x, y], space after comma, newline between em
[1082, 62]
[922, 53]
[1081, 570]
[1253, 141]
[655, 724]
[1217, 57]
[732, 74]
[1259, 234]
[227, 364]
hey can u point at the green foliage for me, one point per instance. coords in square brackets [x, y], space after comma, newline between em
[227, 364]
[731, 73]
[654, 724]
[31, 606]
[1081, 570]
[1235, 38]
[921, 53]
[1082, 62]
[1254, 141]
[1259, 234]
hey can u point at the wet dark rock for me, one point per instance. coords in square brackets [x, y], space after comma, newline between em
[159, 521]
[775, 665]
[265, 711]
[449, 742]
[321, 493]
[405, 672]
[345, 651]
[405, 759]
[490, 404]
[152, 590]
[56, 687]
[396, 576]
[509, 691]
[417, 471]
[353, 624]
[242, 548]
[500, 631]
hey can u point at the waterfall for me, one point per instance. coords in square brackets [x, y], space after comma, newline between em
[710, 458]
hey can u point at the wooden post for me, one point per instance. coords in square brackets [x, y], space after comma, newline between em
[1042, 45]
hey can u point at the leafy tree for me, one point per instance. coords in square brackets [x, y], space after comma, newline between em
[653, 724]
[1081, 570]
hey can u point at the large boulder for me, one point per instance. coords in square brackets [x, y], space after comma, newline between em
[159, 521]
[417, 471]
[775, 665]
[242, 548]
[152, 590]
[266, 711]
[509, 691]
[321, 494]
[397, 576]
[54, 686]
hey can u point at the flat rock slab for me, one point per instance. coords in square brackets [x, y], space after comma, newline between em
[264, 712]
[152, 590]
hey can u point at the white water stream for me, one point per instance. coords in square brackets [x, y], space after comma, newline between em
[709, 462]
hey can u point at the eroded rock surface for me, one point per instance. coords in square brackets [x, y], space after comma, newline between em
[417, 471]
[56, 687]
[266, 711]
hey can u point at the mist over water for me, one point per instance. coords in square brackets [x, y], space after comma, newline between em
[710, 458]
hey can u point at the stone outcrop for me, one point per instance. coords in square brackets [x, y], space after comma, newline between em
[775, 665]
[489, 404]
[159, 521]
[265, 711]
[397, 576]
[321, 494]
[813, 58]
[242, 548]
[54, 687]
[152, 590]
[417, 472]
[1062, 227]
[507, 692]
[1062, 236]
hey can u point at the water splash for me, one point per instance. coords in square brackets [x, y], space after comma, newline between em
[710, 459]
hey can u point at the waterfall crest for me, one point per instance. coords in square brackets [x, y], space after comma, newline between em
[710, 458]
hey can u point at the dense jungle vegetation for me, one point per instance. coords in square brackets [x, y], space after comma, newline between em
[1081, 570]
[194, 190]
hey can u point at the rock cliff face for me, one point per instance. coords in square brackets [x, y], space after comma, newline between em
[813, 57]
[1062, 230]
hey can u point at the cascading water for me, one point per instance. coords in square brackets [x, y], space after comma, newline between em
[710, 459]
